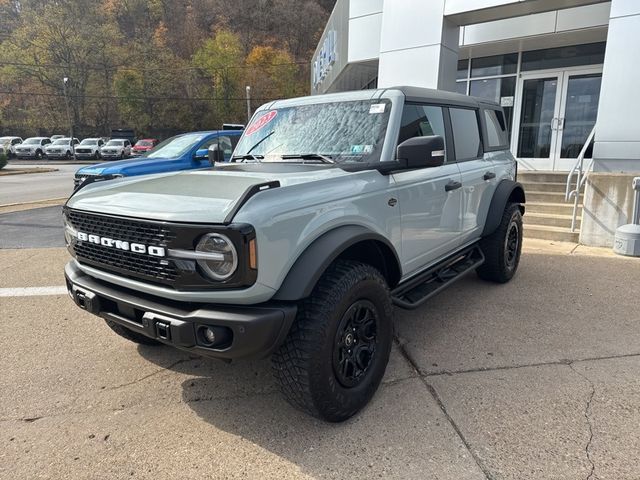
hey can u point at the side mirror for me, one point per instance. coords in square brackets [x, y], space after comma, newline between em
[215, 154]
[421, 152]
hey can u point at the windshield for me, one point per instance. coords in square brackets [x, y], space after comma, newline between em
[115, 143]
[61, 141]
[144, 143]
[344, 132]
[5, 139]
[89, 141]
[32, 141]
[175, 146]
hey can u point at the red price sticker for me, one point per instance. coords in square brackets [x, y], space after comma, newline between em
[261, 122]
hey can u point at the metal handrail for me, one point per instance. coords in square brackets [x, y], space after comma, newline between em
[580, 172]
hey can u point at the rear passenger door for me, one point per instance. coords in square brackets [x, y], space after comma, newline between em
[429, 198]
[478, 173]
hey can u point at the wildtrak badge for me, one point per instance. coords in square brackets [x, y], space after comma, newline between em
[121, 244]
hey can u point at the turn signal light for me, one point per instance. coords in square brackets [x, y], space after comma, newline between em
[253, 259]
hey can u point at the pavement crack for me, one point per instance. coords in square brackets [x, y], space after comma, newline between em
[431, 389]
[587, 415]
[146, 377]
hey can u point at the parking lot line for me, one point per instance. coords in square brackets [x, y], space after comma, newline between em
[32, 291]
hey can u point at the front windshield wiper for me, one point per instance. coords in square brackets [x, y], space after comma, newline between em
[309, 156]
[247, 156]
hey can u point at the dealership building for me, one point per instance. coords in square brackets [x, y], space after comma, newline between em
[565, 72]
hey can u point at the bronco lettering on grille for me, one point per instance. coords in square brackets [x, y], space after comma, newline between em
[121, 244]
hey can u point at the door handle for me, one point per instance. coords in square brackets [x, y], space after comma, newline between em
[489, 175]
[554, 123]
[452, 186]
[561, 124]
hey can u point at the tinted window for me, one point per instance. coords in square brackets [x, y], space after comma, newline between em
[589, 54]
[466, 134]
[496, 131]
[421, 121]
[226, 146]
[495, 65]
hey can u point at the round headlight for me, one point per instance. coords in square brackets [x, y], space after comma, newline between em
[70, 234]
[223, 261]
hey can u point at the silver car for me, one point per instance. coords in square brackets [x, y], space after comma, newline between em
[8, 145]
[89, 149]
[116, 148]
[61, 148]
[32, 147]
[333, 209]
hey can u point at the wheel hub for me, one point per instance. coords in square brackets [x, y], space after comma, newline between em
[355, 344]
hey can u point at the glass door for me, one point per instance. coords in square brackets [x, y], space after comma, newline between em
[579, 109]
[537, 132]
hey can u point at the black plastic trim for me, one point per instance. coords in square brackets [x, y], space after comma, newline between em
[313, 262]
[498, 203]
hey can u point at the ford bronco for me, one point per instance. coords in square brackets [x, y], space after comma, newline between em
[333, 209]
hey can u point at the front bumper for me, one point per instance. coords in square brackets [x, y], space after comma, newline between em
[256, 330]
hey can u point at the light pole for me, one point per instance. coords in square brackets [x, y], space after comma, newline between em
[248, 89]
[65, 81]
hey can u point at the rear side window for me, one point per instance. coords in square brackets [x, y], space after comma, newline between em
[421, 121]
[466, 133]
[496, 128]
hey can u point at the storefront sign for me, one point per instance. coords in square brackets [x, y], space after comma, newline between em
[327, 56]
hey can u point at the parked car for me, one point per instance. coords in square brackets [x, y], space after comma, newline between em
[57, 137]
[116, 148]
[61, 148]
[8, 145]
[143, 146]
[333, 209]
[32, 147]
[89, 148]
[182, 152]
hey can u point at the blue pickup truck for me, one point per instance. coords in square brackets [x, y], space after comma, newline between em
[182, 152]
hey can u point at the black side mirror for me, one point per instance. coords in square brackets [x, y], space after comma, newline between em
[421, 152]
[215, 154]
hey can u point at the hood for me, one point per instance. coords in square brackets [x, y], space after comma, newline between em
[198, 196]
[132, 166]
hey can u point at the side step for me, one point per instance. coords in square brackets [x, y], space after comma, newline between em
[419, 289]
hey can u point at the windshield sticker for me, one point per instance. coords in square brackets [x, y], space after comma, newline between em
[261, 122]
[360, 149]
[377, 108]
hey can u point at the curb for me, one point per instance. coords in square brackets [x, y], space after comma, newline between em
[7, 173]
[47, 200]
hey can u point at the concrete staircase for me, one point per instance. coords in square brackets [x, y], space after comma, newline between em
[548, 216]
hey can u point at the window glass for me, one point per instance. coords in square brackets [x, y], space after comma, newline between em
[589, 54]
[495, 65]
[466, 133]
[463, 69]
[225, 146]
[496, 132]
[499, 90]
[421, 121]
[461, 87]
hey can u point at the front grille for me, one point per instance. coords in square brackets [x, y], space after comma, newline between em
[83, 150]
[158, 269]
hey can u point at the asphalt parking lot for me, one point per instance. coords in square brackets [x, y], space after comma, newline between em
[536, 379]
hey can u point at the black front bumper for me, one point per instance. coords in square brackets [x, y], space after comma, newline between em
[256, 330]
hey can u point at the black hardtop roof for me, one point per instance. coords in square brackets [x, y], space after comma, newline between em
[430, 95]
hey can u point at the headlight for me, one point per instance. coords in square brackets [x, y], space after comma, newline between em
[70, 235]
[222, 258]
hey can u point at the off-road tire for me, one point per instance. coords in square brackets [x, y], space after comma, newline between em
[131, 335]
[304, 365]
[502, 256]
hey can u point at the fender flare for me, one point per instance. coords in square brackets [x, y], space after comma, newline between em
[506, 191]
[312, 263]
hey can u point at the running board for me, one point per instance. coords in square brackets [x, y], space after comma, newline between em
[419, 289]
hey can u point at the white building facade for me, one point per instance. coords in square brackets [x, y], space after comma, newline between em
[560, 68]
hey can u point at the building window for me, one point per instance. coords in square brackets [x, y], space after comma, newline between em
[495, 65]
[461, 87]
[573, 56]
[500, 90]
[463, 69]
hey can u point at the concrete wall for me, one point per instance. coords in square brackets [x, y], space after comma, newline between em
[608, 203]
[617, 147]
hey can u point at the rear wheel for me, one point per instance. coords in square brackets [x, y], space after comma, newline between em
[503, 247]
[39, 154]
[131, 335]
[336, 353]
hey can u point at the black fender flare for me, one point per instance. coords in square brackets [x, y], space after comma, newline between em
[507, 191]
[312, 263]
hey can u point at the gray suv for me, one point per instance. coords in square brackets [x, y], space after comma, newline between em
[333, 209]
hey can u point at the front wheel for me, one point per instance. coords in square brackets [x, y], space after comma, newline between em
[39, 155]
[336, 353]
[503, 247]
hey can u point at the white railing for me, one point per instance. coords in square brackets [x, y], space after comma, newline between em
[580, 172]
